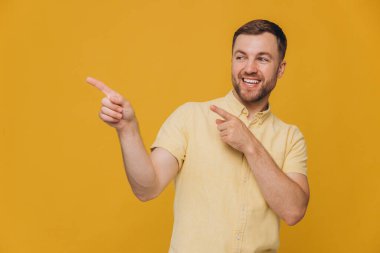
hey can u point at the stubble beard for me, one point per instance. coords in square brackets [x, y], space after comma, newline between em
[252, 96]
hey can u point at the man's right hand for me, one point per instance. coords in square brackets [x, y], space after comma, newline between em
[147, 175]
[115, 111]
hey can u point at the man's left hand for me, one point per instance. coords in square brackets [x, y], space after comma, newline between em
[232, 130]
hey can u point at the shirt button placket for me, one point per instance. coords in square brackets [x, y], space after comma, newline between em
[238, 238]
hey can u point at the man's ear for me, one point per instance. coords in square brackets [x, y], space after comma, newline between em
[281, 69]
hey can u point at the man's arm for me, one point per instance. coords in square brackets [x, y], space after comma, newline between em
[286, 194]
[147, 175]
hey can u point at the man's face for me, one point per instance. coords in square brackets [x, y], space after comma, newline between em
[256, 65]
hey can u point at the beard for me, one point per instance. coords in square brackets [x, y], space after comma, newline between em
[254, 96]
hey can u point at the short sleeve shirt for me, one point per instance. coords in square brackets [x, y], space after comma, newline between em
[218, 206]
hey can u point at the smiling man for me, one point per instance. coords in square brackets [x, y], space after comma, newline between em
[238, 169]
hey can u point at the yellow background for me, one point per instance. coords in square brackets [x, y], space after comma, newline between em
[62, 184]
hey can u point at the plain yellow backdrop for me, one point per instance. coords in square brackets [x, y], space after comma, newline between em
[62, 184]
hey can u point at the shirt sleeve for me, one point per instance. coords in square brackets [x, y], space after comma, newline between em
[172, 135]
[296, 155]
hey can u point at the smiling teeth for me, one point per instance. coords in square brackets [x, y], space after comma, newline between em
[251, 81]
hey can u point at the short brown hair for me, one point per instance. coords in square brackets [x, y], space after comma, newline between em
[259, 26]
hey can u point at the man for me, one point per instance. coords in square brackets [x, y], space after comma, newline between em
[237, 168]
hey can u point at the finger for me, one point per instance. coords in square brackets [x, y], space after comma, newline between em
[107, 103]
[224, 135]
[219, 121]
[107, 118]
[117, 99]
[111, 113]
[221, 112]
[221, 128]
[100, 85]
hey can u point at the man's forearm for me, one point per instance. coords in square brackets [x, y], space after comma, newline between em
[284, 196]
[138, 165]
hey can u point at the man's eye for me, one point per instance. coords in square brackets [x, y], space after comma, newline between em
[263, 59]
[239, 57]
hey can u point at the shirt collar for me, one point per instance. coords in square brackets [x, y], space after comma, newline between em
[237, 108]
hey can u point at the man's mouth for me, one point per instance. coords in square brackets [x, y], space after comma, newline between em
[251, 82]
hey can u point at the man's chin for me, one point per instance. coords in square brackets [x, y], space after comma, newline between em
[249, 97]
[246, 96]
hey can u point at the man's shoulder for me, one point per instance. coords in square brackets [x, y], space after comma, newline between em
[281, 125]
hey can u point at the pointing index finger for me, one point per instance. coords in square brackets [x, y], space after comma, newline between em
[100, 85]
[224, 114]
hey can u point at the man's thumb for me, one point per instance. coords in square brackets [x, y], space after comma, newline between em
[116, 100]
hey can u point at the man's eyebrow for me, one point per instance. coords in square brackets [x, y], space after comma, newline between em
[239, 51]
[265, 53]
[260, 53]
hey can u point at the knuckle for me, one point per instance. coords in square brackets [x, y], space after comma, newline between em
[127, 103]
[104, 100]
[119, 97]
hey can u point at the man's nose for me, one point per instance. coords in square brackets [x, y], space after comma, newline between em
[251, 67]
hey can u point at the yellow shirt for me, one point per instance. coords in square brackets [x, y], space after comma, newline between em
[218, 205]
